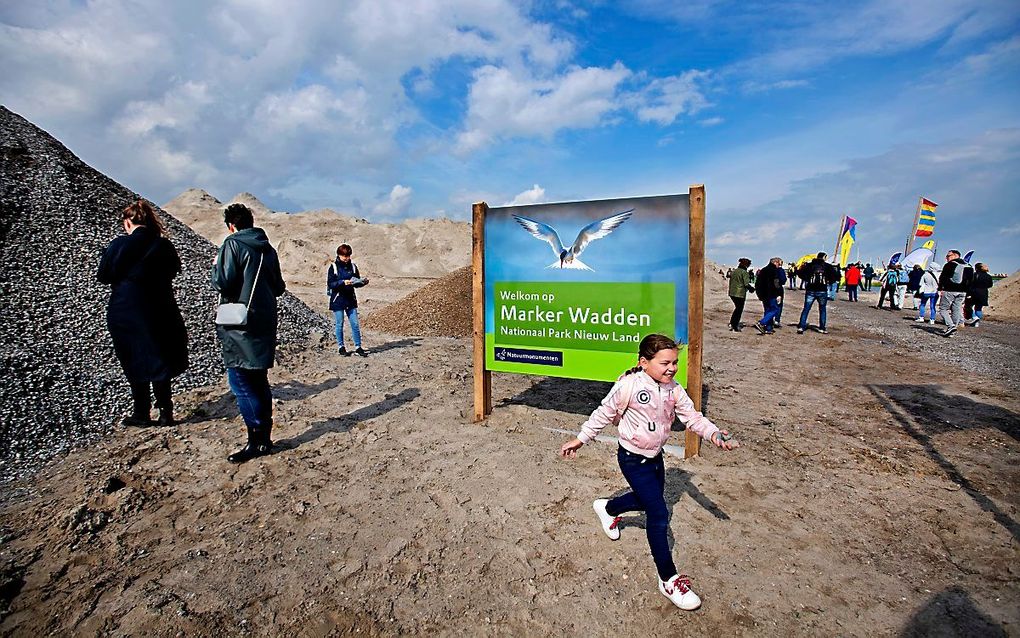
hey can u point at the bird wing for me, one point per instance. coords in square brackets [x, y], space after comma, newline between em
[599, 229]
[541, 231]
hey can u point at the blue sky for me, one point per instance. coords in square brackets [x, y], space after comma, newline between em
[791, 113]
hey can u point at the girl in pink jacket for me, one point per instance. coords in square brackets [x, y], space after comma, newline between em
[645, 401]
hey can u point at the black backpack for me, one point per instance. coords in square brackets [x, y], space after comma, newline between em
[818, 275]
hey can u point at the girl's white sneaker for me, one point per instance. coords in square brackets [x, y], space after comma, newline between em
[678, 590]
[609, 523]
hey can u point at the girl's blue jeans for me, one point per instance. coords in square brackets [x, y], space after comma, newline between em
[647, 480]
[352, 315]
[931, 300]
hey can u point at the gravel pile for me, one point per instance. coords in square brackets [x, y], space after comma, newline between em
[442, 308]
[60, 383]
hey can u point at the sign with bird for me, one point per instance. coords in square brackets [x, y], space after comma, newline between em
[581, 313]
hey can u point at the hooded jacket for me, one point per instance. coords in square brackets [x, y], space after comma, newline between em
[252, 346]
[649, 415]
[929, 284]
[341, 295]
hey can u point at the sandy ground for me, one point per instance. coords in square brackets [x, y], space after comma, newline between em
[866, 499]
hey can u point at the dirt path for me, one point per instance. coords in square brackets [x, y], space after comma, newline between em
[866, 500]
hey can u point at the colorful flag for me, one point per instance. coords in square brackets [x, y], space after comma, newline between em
[926, 218]
[846, 240]
[895, 259]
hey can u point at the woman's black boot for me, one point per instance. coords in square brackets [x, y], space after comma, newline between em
[258, 445]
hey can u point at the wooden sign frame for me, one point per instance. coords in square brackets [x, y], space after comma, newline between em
[695, 310]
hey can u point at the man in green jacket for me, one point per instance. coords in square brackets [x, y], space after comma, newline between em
[740, 283]
[247, 270]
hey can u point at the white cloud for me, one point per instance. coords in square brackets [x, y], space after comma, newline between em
[504, 104]
[534, 195]
[396, 204]
[711, 121]
[666, 99]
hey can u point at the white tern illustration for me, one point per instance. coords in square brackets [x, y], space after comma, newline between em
[568, 257]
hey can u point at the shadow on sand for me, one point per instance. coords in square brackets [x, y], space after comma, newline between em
[925, 411]
[566, 395]
[678, 483]
[346, 422]
[951, 612]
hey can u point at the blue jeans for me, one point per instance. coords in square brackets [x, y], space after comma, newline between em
[352, 315]
[254, 397]
[772, 312]
[931, 300]
[833, 289]
[811, 296]
[647, 480]
[851, 292]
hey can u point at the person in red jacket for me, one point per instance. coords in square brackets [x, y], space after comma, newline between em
[853, 280]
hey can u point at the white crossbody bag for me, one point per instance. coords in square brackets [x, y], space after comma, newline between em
[236, 314]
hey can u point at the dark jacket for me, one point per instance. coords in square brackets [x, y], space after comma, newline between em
[769, 283]
[946, 278]
[252, 346]
[869, 271]
[818, 275]
[979, 286]
[914, 279]
[341, 295]
[145, 323]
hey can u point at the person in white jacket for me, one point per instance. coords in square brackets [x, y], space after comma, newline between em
[929, 292]
[644, 402]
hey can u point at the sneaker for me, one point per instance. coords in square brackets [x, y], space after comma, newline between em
[948, 332]
[343, 351]
[919, 320]
[678, 590]
[971, 322]
[931, 321]
[609, 523]
[823, 331]
[360, 352]
[760, 328]
[976, 324]
[800, 331]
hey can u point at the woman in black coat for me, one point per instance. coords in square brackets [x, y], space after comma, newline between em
[977, 295]
[145, 323]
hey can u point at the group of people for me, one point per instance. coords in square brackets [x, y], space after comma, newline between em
[768, 284]
[959, 290]
[148, 331]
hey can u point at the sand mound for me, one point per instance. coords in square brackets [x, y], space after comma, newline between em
[60, 383]
[1004, 297]
[440, 309]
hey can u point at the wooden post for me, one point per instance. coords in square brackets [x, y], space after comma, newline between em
[695, 307]
[482, 377]
[913, 229]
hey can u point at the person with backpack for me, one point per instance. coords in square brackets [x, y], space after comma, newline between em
[342, 278]
[888, 281]
[818, 275]
[928, 288]
[954, 282]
